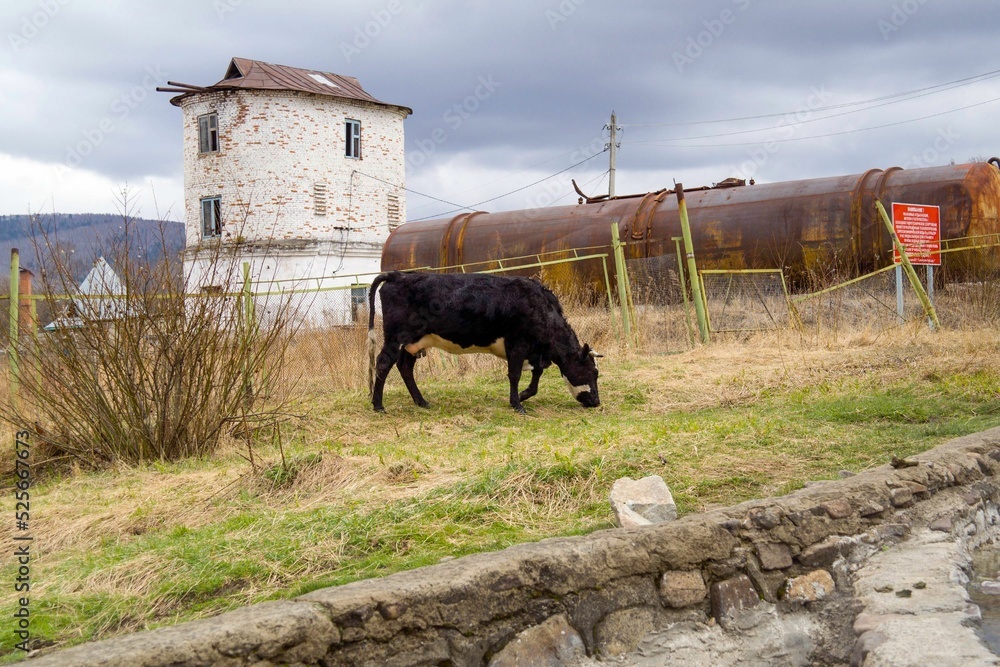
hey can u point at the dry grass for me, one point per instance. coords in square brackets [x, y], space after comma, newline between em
[350, 493]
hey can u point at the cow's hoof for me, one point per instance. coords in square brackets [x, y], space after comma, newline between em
[520, 410]
[380, 409]
[424, 404]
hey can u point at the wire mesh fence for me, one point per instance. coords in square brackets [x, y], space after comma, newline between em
[746, 300]
[868, 301]
[964, 292]
[329, 349]
[663, 315]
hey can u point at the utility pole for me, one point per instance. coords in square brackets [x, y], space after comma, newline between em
[614, 153]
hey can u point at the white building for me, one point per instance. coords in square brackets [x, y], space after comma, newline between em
[297, 172]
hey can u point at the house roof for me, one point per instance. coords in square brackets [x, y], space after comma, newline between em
[103, 283]
[96, 298]
[258, 75]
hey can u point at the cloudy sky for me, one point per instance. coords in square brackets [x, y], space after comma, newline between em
[511, 99]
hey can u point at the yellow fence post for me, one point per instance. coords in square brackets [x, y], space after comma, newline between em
[696, 286]
[623, 293]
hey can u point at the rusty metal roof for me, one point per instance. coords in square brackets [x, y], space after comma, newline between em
[258, 75]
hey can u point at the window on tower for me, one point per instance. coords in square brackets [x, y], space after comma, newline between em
[353, 133]
[208, 133]
[211, 217]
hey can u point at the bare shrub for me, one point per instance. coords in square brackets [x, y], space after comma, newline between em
[152, 373]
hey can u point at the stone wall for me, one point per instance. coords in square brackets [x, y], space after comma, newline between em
[602, 593]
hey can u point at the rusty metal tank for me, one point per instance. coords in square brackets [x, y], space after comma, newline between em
[807, 226]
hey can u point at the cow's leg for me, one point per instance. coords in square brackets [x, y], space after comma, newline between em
[386, 360]
[515, 362]
[405, 366]
[532, 388]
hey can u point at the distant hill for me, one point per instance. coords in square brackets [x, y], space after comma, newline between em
[83, 237]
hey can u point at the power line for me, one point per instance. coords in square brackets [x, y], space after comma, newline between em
[833, 134]
[403, 187]
[513, 173]
[524, 187]
[775, 127]
[911, 94]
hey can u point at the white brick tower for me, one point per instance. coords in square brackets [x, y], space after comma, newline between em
[297, 172]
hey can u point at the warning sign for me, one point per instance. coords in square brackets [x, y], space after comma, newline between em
[919, 230]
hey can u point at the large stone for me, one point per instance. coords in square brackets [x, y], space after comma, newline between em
[838, 509]
[680, 588]
[823, 554]
[642, 502]
[732, 596]
[765, 518]
[550, 644]
[901, 497]
[621, 631]
[774, 556]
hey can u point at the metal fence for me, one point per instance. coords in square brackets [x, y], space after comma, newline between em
[654, 314]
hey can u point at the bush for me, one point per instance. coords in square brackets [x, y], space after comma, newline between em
[153, 374]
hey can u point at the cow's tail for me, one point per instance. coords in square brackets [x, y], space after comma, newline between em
[372, 338]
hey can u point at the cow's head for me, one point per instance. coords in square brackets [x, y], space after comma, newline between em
[580, 373]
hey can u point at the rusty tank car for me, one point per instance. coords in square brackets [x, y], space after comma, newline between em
[807, 228]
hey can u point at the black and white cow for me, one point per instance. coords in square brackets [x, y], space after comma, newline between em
[516, 319]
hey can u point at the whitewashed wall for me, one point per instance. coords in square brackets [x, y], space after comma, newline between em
[275, 146]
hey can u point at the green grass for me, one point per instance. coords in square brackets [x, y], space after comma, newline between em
[362, 495]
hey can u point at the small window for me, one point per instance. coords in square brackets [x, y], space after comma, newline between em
[211, 217]
[208, 133]
[319, 78]
[353, 138]
[359, 303]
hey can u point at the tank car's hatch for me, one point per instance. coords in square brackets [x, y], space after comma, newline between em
[642, 221]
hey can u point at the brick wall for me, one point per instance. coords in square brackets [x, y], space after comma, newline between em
[274, 148]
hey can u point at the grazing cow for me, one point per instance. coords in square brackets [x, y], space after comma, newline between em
[516, 319]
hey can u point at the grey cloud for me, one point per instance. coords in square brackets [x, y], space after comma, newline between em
[562, 66]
